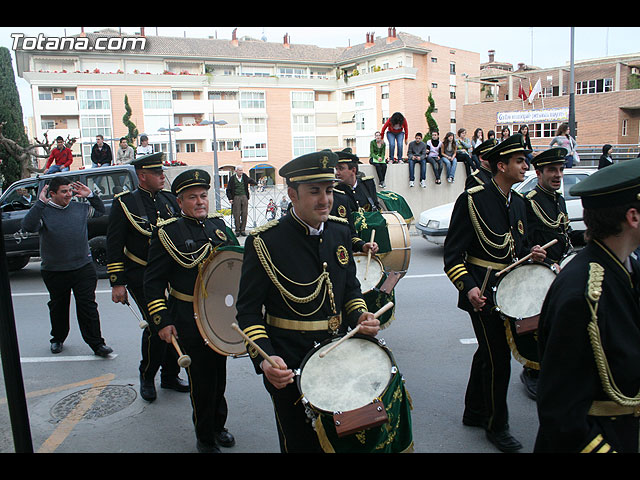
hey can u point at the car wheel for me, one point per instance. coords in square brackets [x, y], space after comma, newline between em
[17, 263]
[98, 247]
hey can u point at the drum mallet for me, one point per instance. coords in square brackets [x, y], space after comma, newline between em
[484, 283]
[141, 323]
[525, 258]
[366, 271]
[355, 330]
[258, 349]
[183, 360]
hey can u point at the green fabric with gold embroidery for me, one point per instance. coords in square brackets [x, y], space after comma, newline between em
[396, 203]
[396, 436]
[365, 222]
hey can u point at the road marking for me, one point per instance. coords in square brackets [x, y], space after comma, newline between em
[60, 388]
[469, 341]
[76, 358]
[426, 275]
[35, 294]
[66, 425]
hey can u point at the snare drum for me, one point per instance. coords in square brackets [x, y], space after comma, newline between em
[356, 377]
[370, 282]
[214, 301]
[397, 260]
[518, 296]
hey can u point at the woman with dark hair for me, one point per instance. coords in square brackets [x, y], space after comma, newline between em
[605, 158]
[449, 151]
[397, 133]
[504, 134]
[524, 131]
[564, 139]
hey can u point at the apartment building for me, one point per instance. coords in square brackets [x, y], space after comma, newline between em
[606, 97]
[271, 101]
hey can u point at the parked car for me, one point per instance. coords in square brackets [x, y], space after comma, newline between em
[16, 201]
[433, 224]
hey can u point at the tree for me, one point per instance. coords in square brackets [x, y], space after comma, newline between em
[12, 126]
[431, 122]
[126, 119]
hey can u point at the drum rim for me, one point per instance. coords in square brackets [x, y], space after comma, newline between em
[197, 297]
[404, 226]
[374, 257]
[502, 277]
[317, 348]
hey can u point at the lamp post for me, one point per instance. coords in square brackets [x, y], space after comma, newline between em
[175, 129]
[216, 173]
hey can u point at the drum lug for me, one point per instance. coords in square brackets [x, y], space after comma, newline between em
[381, 342]
[394, 369]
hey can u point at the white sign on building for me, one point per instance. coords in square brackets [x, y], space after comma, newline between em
[533, 116]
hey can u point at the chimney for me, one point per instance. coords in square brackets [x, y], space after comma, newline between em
[286, 41]
[142, 31]
[370, 40]
[234, 39]
[492, 54]
[391, 34]
[521, 66]
[82, 34]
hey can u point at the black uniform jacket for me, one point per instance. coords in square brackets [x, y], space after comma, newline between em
[481, 176]
[343, 208]
[295, 260]
[363, 196]
[132, 219]
[178, 247]
[569, 379]
[487, 228]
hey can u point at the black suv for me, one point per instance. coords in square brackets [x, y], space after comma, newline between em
[16, 201]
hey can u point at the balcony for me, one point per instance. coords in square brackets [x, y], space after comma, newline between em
[57, 107]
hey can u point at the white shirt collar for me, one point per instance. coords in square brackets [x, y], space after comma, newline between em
[312, 231]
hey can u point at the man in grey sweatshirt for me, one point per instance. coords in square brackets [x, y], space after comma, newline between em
[66, 259]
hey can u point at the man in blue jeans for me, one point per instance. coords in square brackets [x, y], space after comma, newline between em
[417, 152]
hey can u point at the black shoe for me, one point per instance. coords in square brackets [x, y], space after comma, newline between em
[103, 350]
[530, 380]
[243, 234]
[56, 347]
[206, 448]
[147, 389]
[175, 383]
[225, 439]
[504, 441]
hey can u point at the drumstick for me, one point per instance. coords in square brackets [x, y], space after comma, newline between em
[254, 345]
[525, 258]
[355, 330]
[141, 323]
[373, 234]
[183, 360]
[484, 283]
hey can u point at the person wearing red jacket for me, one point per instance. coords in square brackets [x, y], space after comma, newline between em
[62, 156]
[397, 133]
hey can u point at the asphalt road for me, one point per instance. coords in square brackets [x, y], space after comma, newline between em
[80, 403]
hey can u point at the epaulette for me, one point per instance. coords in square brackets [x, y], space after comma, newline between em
[532, 194]
[338, 219]
[594, 283]
[265, 227]
[369, 177]
[338, 190]
[121, 193]
[215, 215]
[162, 223]
[476, 189]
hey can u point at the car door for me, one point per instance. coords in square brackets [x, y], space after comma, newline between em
[14, 204]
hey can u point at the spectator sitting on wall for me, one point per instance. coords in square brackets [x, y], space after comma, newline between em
[61, 157]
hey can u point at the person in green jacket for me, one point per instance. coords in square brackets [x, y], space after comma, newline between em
[377, 150]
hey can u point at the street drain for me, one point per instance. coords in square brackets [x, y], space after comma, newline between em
[112, 399]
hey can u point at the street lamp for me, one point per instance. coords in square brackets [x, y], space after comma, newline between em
[216, 173]
[175, 129]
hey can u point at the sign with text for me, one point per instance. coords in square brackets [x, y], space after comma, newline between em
[533, 116]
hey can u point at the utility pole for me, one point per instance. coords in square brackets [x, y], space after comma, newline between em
[572, 87]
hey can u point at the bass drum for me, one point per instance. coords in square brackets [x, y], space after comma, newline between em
[397, 260]
[518, 296]
[214, 301]
[371, 280]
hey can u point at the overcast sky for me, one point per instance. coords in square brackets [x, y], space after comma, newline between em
[544, 47]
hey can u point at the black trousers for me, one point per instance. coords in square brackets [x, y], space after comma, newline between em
[381, 170]
[486, 395]
[208, 380]
[156, 352]
[295, 431]
[83, 283]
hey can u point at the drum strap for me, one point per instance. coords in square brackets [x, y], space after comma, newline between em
[606, 408]
[179, 295]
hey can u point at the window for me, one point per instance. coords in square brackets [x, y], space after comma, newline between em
[45, 95]
[93, 125]
[569, 181]
[252, 100]
[227, 145]
[94, 100]
[302, 100]
[254, 124]
[48, 124]
[255, 72]
[452, 68]
[594, 86]
[303, 145]
[303, 124]
[258, 150]
[434, 85]
[157, 99]
[106, 186]
[359, 118]
[434, 59]
[292, 72]
[624, 127]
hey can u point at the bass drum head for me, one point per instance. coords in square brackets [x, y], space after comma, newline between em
[351, 376]
[397, 260]
[373, 276]
[521, 291]
[214, 302]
